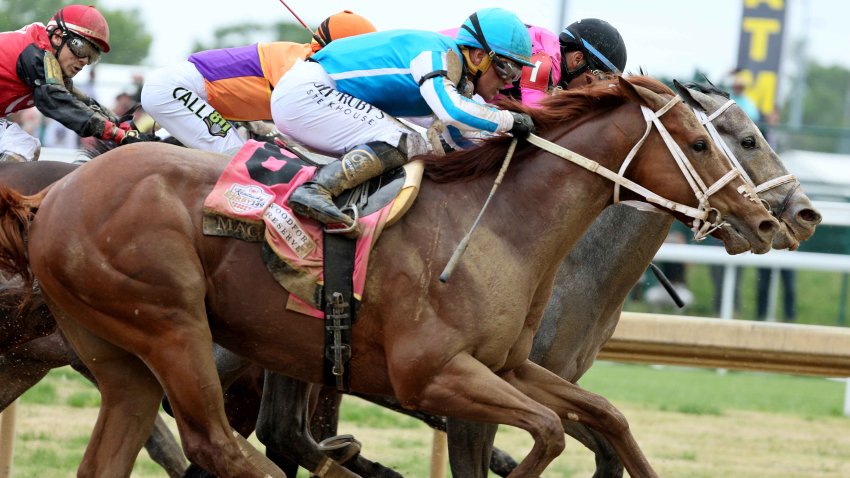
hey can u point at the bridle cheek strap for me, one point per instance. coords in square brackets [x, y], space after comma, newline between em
[749, 189]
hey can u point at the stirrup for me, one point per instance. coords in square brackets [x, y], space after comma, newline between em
[355, 215]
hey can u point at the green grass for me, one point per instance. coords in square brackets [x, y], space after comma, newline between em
[707, 392]
[404, 443]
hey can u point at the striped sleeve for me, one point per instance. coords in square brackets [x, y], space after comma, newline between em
[449, 105]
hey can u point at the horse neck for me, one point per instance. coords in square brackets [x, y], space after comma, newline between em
[556, 200]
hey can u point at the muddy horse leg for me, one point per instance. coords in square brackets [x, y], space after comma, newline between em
[573, 403]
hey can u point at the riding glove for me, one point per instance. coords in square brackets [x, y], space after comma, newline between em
[523, 125]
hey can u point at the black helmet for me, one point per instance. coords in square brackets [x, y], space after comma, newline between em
[601, 43]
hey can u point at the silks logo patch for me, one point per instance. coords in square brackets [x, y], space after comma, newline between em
[216, 123]
[290, 230]
[243, 199]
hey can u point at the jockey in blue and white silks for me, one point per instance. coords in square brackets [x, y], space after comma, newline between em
[345, 99]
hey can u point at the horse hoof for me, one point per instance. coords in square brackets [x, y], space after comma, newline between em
[340, 448]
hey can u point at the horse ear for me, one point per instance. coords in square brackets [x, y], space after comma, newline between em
[641, 95]
[686, 95]
[629, 91]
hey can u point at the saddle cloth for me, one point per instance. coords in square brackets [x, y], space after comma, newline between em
[248, 202]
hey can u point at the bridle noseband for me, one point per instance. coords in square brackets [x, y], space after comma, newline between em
[707, 121]
[705, 218]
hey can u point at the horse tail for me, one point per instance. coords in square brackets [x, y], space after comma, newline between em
[16, 215]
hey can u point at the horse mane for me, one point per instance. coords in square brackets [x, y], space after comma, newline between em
[563, 108]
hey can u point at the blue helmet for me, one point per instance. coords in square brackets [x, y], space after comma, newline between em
[497, 31]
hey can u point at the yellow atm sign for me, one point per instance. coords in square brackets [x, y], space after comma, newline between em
[760, 49]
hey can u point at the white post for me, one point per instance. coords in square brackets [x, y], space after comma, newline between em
[439, 454]
[847, 398]
[727, 298]
[7, 439]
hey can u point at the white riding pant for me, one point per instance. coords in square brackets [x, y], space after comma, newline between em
[307, 107]
[176, 97]
[13, 139]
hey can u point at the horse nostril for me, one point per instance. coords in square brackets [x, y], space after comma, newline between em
[768, 227]
[809, 216]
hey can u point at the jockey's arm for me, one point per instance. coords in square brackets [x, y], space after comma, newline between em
[450, 106]
[41, 71]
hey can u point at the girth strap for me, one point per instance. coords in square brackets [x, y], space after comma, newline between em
[340, 308]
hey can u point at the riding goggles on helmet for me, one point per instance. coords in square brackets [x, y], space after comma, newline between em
[82, 48]
[508, 70]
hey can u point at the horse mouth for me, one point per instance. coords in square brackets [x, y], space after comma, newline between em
[737, 242]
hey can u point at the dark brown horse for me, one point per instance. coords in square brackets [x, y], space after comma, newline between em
[138, 288]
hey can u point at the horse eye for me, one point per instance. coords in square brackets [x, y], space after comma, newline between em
[748, 143]
[700, 146]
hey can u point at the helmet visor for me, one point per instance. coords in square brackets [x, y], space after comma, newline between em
[508, 70]
[82, 48]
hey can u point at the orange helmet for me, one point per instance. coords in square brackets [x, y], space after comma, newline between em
[85, 21]
[341, 25]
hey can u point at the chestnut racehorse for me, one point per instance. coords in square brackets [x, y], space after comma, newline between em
[590, 288]
[141, 292]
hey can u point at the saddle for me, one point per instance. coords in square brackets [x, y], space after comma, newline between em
[323, 272]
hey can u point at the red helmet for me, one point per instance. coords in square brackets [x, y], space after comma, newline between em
[84, 20]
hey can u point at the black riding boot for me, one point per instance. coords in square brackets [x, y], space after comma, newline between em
[315, 198]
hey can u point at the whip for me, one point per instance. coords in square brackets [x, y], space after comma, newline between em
[315, 37]
[447, 272]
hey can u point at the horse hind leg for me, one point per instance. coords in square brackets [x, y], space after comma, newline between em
[573, 403]
[608, 464]
[130, 398]
[196, 398]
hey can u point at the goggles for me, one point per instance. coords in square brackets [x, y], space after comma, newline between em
[82, 48]
[508, 70]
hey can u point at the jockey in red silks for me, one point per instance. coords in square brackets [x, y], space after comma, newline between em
[583, 48]
[37, 64]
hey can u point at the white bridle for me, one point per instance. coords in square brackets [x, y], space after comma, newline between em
[702, 226]
[706, 120]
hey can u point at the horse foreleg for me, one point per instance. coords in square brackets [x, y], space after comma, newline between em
[573, 403]
[465, 388]
[283, 425]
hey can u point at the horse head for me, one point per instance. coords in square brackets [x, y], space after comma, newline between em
[701, 177]
[747, 148]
